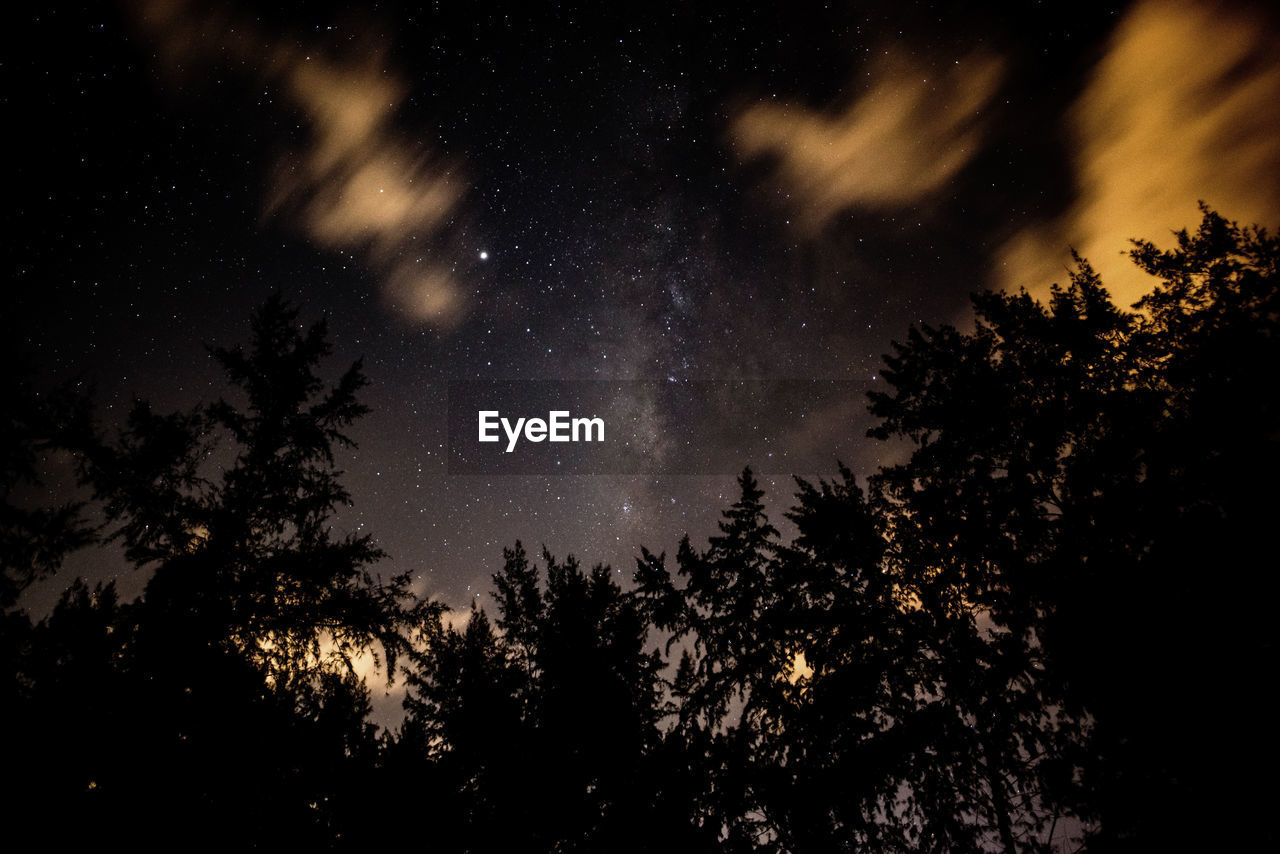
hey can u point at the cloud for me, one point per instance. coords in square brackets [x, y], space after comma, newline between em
[1182, 107]
[425, 292]
[899, 143]
[356, 185]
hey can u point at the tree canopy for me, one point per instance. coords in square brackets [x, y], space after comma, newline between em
[1046, 627]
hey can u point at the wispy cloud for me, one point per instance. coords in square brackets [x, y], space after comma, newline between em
[357, 185]
[898, 143]
[1184, 106]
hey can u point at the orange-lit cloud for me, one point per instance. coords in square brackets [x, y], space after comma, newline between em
[1184, 106]
[357, 185]
[897, 144]
[426, 292]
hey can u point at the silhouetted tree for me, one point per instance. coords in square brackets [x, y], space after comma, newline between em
[521, 613]
[241, 655]
[250, 553]
[1076, 470]
[546, 727]
[466, 741]
[999, 417]
[34, 536]
[733, 677]
[843, 742]
[37, 532]
[1056, 612]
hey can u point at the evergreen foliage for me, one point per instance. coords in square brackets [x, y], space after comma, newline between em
[1048, 626]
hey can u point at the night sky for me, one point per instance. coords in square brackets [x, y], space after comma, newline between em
[643, 192]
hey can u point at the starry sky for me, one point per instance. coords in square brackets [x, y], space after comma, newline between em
[644, 193]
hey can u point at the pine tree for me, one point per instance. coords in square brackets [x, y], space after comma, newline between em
[248, 554]
[245, 644]
[1076, 470]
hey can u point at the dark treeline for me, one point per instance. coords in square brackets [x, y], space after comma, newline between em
[1053, 624]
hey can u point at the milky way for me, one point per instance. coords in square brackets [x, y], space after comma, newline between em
[649, 195]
